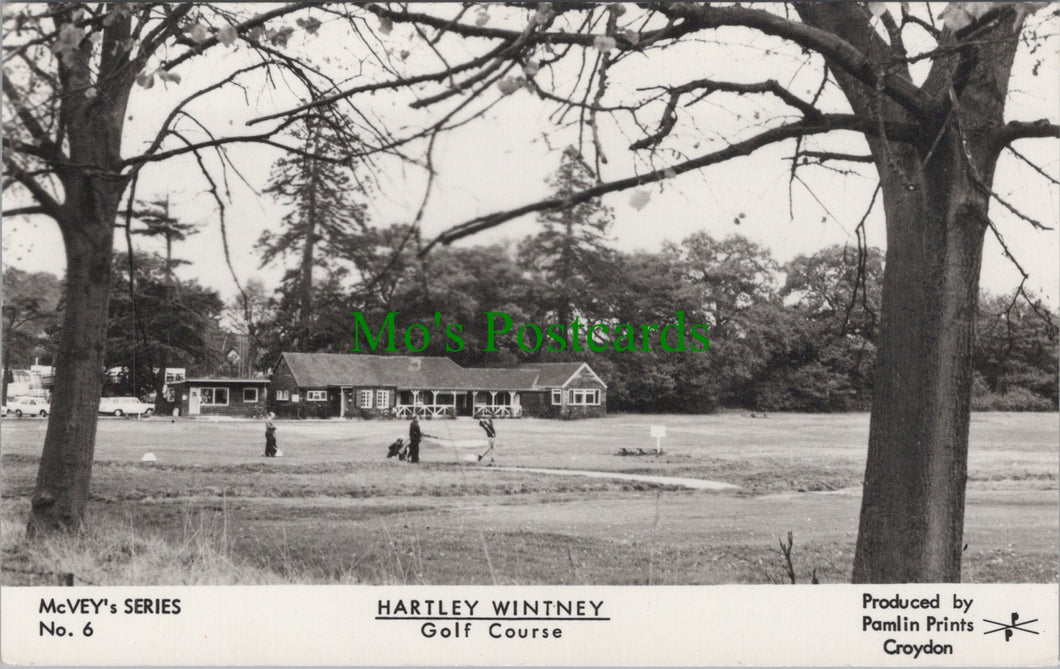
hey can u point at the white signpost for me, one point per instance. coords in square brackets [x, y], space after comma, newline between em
[658, 432]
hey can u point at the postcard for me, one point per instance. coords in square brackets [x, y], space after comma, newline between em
[567, 334]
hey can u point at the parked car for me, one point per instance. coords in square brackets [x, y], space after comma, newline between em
[124, 406]
[29, 406]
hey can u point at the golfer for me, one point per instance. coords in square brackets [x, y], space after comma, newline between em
[270, 436]
[414, 440]
[491, 437]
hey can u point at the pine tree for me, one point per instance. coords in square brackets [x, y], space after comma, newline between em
[571, 249]
[323, 217]
[158, 221]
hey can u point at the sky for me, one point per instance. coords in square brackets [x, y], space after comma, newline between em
[503, 159]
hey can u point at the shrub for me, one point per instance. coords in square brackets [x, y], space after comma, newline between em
[1017, 399]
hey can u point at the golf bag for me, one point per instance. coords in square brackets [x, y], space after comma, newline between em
[398, 448]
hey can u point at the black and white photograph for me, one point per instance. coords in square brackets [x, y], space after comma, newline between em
[510, 295]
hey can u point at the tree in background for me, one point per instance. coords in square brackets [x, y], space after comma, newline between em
[158, 222]
[835, 296]
[729, 275]
[570, 252]
[31, 309]
[250, 314]
[734, 283]
[323, 214]
[161, 323]
[650, 288]
[1016, 356]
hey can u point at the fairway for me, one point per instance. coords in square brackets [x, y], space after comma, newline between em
[333, 509]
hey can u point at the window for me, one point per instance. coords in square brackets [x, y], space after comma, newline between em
[283, 395]
[250, 394]
[382, 398]
[217, 397]
[364, 399]
[584, 396]
[557, 396]
[316, 396]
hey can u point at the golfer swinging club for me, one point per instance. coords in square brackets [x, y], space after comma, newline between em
[491, 437]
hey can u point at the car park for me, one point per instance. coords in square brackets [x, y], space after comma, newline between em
[29, 406]
[125, 406]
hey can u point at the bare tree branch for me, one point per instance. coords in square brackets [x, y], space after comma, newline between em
[825, 123]
[822, 156]
[709, 86]
[24, 211]
[1016, 130]
[838, 51]
[47, 203]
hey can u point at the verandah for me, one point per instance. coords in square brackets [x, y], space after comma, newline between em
[442, 403]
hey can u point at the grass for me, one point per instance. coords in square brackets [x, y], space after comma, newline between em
[114, 551]
[333, 510]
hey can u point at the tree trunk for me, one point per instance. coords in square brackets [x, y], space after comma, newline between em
[305, 306]
[161, 404]
[7, 374]
[935, 195]
[61, 493]
[92, 186]
[912, 513]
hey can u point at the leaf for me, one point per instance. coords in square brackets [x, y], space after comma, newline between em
[977, 9]
[256, 33]
[543, 14]
[482, 18]
[66, 44]
[119, 10]
[279, 37]
[669, 173]
[403, 54]
[385, 25]
[509, 85]
[91, 93]
[227, 35]
[145, 79]
[954, 18]
[197, 33]
[604, 43]
[311, 25]
[878, 9]
[532, 68]
[639, 199]
[958, 15]
[169, 76]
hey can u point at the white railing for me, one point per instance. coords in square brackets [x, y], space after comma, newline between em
[497, 411]
[446, 410]
[424, 410]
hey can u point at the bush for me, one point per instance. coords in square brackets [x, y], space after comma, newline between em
[1017, 399]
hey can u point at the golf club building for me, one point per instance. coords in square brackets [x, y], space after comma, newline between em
[222, 397]
[323, 385]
